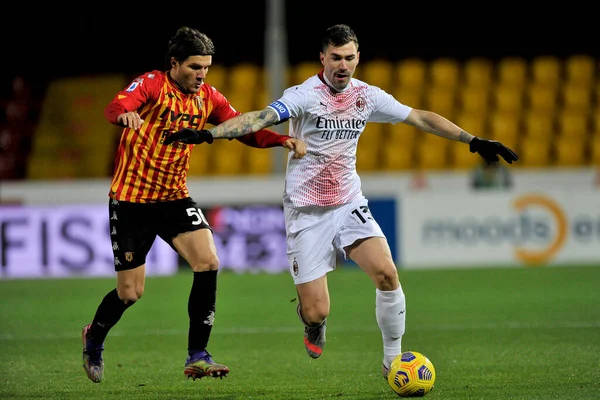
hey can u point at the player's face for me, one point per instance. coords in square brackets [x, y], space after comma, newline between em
[190, 73]
[339, 64]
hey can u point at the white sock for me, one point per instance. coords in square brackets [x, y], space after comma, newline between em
[390, 310]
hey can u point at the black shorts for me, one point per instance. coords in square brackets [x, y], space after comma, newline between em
[134, 227]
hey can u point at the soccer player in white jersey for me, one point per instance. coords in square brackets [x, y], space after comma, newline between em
[325, 208]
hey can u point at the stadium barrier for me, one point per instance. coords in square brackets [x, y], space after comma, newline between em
[60, 228]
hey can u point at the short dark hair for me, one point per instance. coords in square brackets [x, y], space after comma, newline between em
[338, 35]
[188, 42]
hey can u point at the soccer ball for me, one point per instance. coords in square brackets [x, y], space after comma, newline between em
[411, 374]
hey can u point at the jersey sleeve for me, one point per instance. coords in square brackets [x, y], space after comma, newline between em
[387, 108]
[290, 105]
[138, 93]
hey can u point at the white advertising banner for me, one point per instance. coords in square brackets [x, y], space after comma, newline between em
[65, 241]
[500, 228]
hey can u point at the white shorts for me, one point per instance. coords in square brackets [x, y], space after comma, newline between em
[315, 234]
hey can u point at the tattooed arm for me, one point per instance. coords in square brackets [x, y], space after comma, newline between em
[431, 122]
[246, 123]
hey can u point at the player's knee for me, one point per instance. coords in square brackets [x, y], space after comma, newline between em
[315, 314]
[207, 264]
[129, 294]
[387, 278]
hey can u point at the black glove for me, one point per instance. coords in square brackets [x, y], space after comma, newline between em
[490, 149]
[190, 136]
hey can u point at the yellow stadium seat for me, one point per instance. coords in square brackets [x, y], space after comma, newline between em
[534, 153]
[412, 97]
[507, 98]
[576, 96]
[478, 72]
[546, 70]
[303, 71]
[595, 128]
[245, 78]
[580, 69]
[200, 161]
[445, 72]
[401, 135]
[260, 161]
[461, 157]
[542, 97]
[474, 99]
[398, 157]
[432, 157]
[228, 157]
[573, 124]
[241, 101]
[367, 157]
[472, 122]
[569, 152]
[379, 73]
[505, 127]
[217, 77]
[539, 125]
[595, 150]
[441, 100]
[512, 72]
[411, 72]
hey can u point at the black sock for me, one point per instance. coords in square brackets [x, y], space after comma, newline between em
[108, 314]
[201, 309]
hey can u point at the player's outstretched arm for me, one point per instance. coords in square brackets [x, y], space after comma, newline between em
[245, 123]
[431, 122]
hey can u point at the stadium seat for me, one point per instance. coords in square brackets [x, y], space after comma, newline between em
[595, 128]
[580, 69]
[546, 70]
[576, 96]
[303, 71]
[595, 150]
[474, 99]
[200, 161]
[445, 72]
[505, 127]
[228, 157]
[432, 153]
[401, 135]
[411, 72]
[398, 157]
[461, 157]
[441, 100]
[539, 125]
[534, 153]
[245, 78]
[541, 97]
[473, 122]
[512, 72]
[242, 102]
[367, 157]
[260, 161]
[507, 99]
[569, 152]
[410, 96]
[478, 73]
[217, 77]
[573, 124]
[379, 73]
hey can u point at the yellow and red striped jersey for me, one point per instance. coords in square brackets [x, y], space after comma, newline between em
[146, 170]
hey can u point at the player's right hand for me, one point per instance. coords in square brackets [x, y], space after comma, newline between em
[297, 146]
[490, 149]
[130, 119]
[190, 136]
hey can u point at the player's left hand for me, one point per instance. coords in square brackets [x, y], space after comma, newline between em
[297, 146]
[490, 149]
[190, 136]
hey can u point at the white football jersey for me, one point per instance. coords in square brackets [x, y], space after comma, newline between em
[330, 122]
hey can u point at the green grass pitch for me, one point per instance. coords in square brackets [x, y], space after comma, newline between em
[491, 333]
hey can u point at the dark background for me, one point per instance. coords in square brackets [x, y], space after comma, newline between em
[45, 42]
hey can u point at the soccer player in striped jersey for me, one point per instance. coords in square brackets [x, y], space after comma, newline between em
[148, 195]
[325, 209]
